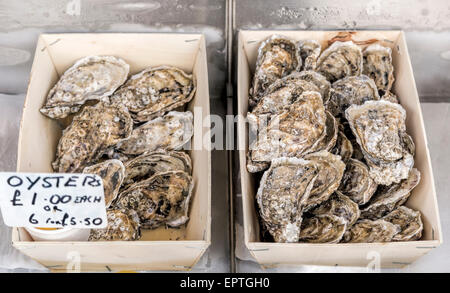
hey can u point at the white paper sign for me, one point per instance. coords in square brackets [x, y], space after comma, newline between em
[52, 200]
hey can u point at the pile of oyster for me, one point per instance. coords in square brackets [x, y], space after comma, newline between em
[330, 137]
[125, 130]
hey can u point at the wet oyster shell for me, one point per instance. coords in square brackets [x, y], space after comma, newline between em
[330, 171]
[379, 128]
[309, 51]
[325, 228]
[389, 198]
[161, 199]
[341, 206]
[410, 223]
[357, 183]
[155, 91]
[277, 57]
[352, 90]
[318, 80]
[92, 132]
[90, 78]
[112, 173]
[377, 65]
[123, 225]
[367, 231]
[169, 132]
[343, 147]
[283, 192]
[340, 60]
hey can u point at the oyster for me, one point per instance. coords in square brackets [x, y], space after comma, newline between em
[377, 65]
[155, 91]
[357, 183]
[169, 132]
[161, 199]
[341, 206]
[92, 132]
[409, 221]
[367, 231]
[330, 171]
[389, 198]
[254, 167]
[112, 173]
[282, 194]
[123, 225]
[343, 147]
[90, 78]
[327, 142]
[379, 128]
[323, 229]
[390, 97]
[352, 90]
[340, 60]
[277, 57]
[309, 51]
[318, 80]
[148, 164]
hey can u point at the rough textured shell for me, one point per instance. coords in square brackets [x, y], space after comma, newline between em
[328, 141]
[390, 97]
[343, 147]
[254, 167]
[92, 132]
[317, 79]
[161, 199]
[367, 231]
[341, 206]
[309, 51]
[283, 192]
[357, 183]
[90, 78]
[154, 91]
[377, 65]
[169, 132]
[325, 228]
[410, 223]
[340, 60]
[123, 225]
[112, 173]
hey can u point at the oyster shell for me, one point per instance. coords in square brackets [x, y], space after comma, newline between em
[341, 206]
[282, 194]
[379, 128]
[112, 173]
[340, 60]
[309, 51]
[389, 198]
[155, 91]
[161, 199]
[90, 78]
[327, 142]
[377, 65]
[323, 229]
[357, 183]
[254, 167]
[92, 132]
[390, 97]
[330, 171]
[352, 90]
[123, 225]
[410, 223]
[148, 164]
[367, 231]
[343, 147]
[277, 57]
[169, 132]
[318, 80]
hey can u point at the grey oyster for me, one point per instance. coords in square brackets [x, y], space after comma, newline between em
[282, 194]
[318, 80]
[379, 128]
[357, 183]
[325, 228]
[352, 90]
[170, 132]
[148, 164]
[341, 206]
[155, 91]
[367, 231]
[388, 198]
[410, 223]
[330, 171]
[277, 57]
[123, 225]
[343, 147]
[340, 60]
[309, 51]
[90, 78]
[161, 199]
[92, 132]
[377, 65]
[112, 173]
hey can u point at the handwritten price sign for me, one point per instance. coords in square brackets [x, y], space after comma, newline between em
[52, 200]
